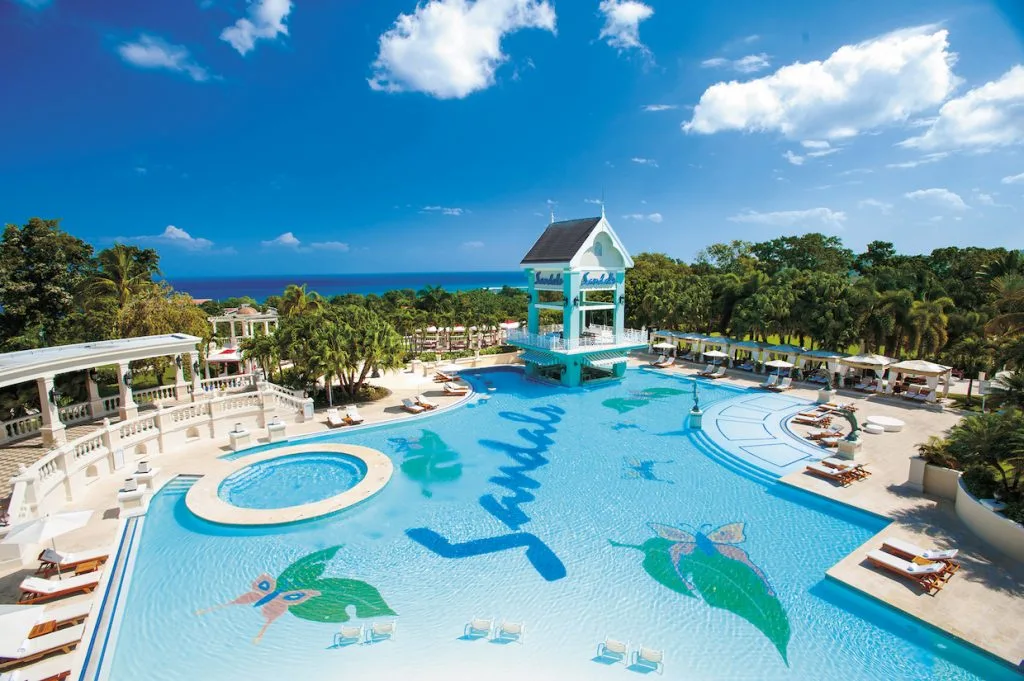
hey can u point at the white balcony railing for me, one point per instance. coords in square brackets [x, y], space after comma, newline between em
[595, 337]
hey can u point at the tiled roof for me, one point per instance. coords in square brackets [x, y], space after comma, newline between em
[561, 241]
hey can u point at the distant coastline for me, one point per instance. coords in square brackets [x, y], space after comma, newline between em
[260, 287]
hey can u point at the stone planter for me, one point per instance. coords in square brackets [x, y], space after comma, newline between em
[999, 531]
[826, 395]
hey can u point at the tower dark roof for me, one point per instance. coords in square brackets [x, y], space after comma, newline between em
[560, 241]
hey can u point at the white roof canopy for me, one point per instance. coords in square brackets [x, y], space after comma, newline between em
[28, 365]
[919, 367]
[867, 361]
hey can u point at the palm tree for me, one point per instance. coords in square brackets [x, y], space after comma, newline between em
[1010, 386]
[261, 349]
[971, 355]
[1010, 303]
[125, 272]
[895, 306]
[928, 324]
[297, 299]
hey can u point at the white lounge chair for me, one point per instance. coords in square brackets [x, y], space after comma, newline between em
[334, 419]
[931, 576]
[62, 640]
[785, 384]
[382, 631]
[352, 416]
[55, 668]
[425, 403]
[349, 635]
[455, 389]
[664, 362]
[909, 551]
[510, 631]
[656, 362]
[478, 627]
[843, 476]
[808, 419]
[770, 382]
[616, 650]
[708, 370]
[411, 407]
[38, 590]
[651, 658]
[72, 613]
[50, 560]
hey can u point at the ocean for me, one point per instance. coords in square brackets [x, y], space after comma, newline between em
[219, 288]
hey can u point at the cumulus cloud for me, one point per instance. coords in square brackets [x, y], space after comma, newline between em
[884, 207]
[452, 48]
[594, 201]
[811, 218]
[339, 246]
[443, 210]
[153, 52]
[650, 217]
[265, 22]
[752, 63]
[286, 240]
[793, 158]
[938, 196]
[644, 161]
[622, 19]
[924, 160]
[176, 237]
[859, 87]
[660, 107]
[1014, 179]
[472, 245]
[986, 117]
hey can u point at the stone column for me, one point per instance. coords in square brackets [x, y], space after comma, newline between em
[129, 409]
[180, 386]
[95, 401]
[53, 430]
[197, 386]
[233, 341]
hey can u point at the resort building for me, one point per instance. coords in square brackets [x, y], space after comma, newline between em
[242, 322]
[577, 269]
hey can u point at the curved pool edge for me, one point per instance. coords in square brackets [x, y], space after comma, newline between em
[204, 501]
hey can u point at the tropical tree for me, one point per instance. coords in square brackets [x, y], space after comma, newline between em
[297, 300]
[994, 441]
[1010, 387]
[928, 323]
[1009, 289]
[971, 355]
[262, 349]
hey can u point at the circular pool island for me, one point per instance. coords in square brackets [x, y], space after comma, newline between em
[289, 484]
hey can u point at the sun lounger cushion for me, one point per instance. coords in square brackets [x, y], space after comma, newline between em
[65, 613]
[37, 585]
[52, 641]
[58, 667]
[51, 556]
[905, 566]
[911, 549]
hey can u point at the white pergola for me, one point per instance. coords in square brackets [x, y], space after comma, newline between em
[44, 364]
[920, 367]
[246, 320]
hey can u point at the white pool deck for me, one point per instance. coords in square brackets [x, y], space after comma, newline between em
[983, 604]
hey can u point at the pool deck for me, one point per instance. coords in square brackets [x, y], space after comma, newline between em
[983, 603]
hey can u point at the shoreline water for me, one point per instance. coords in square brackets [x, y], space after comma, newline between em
[260, 287]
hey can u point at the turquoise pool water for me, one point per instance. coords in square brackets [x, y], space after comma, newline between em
[292, 480]
[584, 514]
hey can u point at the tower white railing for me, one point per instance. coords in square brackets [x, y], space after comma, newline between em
[596, 337]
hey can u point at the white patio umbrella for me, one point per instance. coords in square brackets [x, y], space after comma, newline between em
[15, 623]
[509, 325]
[663, 346]
[47, 528]
[450, 369]
[779, 364]
[715, 353]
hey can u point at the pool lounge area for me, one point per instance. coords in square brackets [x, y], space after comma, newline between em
[581, 514]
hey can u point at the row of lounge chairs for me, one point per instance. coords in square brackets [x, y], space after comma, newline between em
[929, 568]
[351, 417]
[663, 362]
[713, 372]
[917, 393]
[774, 383]
[843, 471]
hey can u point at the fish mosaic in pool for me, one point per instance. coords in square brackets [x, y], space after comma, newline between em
[643, 469]
[540, 526]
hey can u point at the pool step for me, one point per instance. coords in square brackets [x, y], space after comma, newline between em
[730, 461]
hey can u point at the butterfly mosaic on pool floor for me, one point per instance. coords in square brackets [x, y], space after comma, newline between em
[640, 398]
[709, 565]
[428, 460]
[302, 590]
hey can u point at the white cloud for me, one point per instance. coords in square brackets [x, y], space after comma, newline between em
[988, 116]
[1014, 179]
[594, 201]
[856, 171]
[988, 199]
[339, 246]
[812, 217]
[286, 240]
[176, 237]
[651, 217]
[660, 107]
[859, 87]
[139, 170]
[927, 158]
[152, 52]
[443, 210]
[815, 144]
[265, 22]
[644, 161]
[940, 196]
[470, 245]
[752, 63]
[793, 158]
[884, 207]
[622, 20]
[452, 48]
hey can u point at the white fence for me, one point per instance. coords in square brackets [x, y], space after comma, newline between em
[58, 477]
[601, 337]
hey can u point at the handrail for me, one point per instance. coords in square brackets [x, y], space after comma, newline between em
[553, 342]
[21, 427]
[161, 392]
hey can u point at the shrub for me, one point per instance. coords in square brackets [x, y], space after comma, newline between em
[936, 452]
[1015, 511]
[498, 349]
[367, 393]
[980, 481]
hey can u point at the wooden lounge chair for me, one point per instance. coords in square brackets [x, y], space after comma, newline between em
[708, 370]
[455, 389]
[425, 403]
[831, 441]
[478, 627]
[61, 641]
[441, 377]
[49, 560]
[613, 649]
[822, 419]
[854, 467]
[843, 477]
[412, 407]
[909, 551]
[785, 384]
[663, 362]
[382, 631]
[932, 576]
[717, 373]
[334, 418]
[822, 434]
[352, 416]
[56, 668]
[510, 631]
[39, 590]
[839, 406]
[650, 658]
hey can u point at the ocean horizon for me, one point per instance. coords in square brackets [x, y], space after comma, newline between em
[260, 287]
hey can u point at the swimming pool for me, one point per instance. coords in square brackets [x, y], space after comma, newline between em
[292, 480]
[583, 513]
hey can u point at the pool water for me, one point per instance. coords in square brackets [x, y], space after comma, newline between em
[292, 480]
[581, 513]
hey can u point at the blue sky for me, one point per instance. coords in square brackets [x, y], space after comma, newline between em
[281, 136]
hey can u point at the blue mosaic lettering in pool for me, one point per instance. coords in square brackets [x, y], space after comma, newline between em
[292, 480]
[550, 507]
